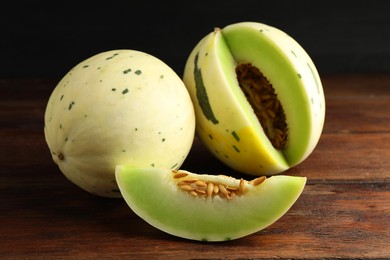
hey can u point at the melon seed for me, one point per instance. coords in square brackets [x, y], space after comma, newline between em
[200, 183]
[242, 187]
[200, 192]
[210, 189]
[186, 187]
[194, 193]
[229, 188]
[191, 179]
[258, 181]
[178, 175]
[223, 190]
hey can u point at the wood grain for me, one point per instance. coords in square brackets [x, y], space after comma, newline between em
[343, 212]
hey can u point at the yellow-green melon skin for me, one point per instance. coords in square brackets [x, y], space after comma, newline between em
[120, 107]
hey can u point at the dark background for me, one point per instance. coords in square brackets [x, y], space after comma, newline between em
[42, 39]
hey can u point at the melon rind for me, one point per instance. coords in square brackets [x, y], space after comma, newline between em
[153, 195]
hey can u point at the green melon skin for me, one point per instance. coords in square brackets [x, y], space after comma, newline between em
[118, 107]
[226, 122]
[154, 196]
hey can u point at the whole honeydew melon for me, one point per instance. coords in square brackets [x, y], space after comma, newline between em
[120, 107]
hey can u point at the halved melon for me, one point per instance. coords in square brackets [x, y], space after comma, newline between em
[258, 98]
[206, 207]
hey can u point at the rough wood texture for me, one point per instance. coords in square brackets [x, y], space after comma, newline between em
[344, 211]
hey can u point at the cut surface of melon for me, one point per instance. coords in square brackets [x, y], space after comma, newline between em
[155, 195]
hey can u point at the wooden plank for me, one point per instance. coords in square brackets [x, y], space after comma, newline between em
[356, 85]
[337, 157]
[343, 212]
[359, 114]
[342, 220]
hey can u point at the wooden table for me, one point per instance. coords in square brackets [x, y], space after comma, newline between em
[344, 211]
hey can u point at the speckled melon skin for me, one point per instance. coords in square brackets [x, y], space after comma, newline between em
[226, 122]
[118, 107]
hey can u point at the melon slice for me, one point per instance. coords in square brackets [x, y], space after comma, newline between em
[206, 207]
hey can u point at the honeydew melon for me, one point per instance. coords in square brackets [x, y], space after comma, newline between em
[229, 123]
[118, 107]
[179, 202]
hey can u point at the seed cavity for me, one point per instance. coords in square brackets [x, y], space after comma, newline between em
[201, 188]
[263, 99]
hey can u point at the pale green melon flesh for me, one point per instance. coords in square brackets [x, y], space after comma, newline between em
[153, 195]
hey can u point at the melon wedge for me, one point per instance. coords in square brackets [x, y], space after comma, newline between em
[156, 195]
